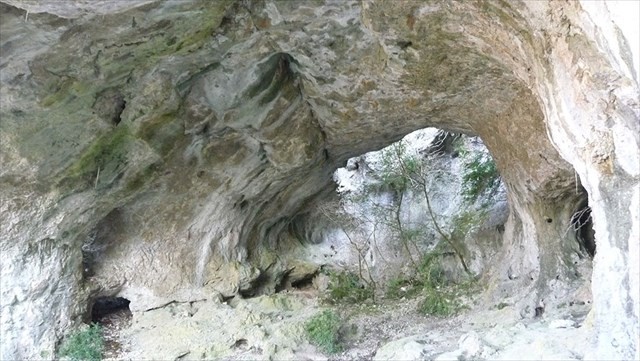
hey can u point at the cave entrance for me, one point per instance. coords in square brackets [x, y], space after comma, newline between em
[433, 196]
[582, 224]
[103, 307]
[114, 315]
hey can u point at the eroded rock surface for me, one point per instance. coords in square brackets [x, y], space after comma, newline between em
[159, 150]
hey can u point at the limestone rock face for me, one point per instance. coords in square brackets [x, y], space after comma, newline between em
[158, 150]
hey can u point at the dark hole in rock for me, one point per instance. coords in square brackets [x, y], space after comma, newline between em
[104, 306]
[549, 220]
[404, 44]
[257, 286]
[205, 129]
[444, 142]
[243, 204]
[582, 224]
[119, 108]
[241, 343]
[226, 20]
[304, 283]
[109, 105]
[296, 281]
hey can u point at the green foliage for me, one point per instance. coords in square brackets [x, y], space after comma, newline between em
[398, 167]
[480, 177]
[84, 345]
[430, 273]
[464, 222]
[347, 287]
[441, 295]
[398, 288]
[323, 331]
[438, 303]
[411, 235]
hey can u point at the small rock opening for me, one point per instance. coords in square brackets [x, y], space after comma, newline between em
[301, 278]
[240, 344]
[256, 287]
[105, 306]
[303, 284]
[582, 224]
[110, 105]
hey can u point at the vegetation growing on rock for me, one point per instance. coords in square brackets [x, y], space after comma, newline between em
[323, 331]
[347, 287]
[480, 176]
[84, 345]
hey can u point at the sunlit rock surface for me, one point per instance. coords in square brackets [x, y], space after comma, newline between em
[158, 150]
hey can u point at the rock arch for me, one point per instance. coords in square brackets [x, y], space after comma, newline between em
[234, 125]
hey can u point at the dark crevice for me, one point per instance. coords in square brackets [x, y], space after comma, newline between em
[104, 306]
[582, 224]
[240, 343]
[287, 283]
[257, 286]
[243, 204]
[444, 142]
[304, 283]
[119, 108]
[110, 105]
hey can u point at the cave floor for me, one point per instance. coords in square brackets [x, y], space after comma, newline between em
[112, 326]
[272, 328]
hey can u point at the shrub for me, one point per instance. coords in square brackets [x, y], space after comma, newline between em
[430, 272]
[442, 297]
[480, 176]
[438, 303]
[323, 331]
[84, 345]
[398, 288]
[398, 166]
[346, 287]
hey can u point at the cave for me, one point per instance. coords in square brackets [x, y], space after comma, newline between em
[213, 131]
[103, 307]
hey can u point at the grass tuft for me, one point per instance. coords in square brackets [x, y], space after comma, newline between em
[84, 345]
[347, 288]
[323, 331]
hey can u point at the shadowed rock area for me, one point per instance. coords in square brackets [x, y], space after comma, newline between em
[159, 151]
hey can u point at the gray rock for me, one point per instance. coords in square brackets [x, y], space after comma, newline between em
[231, 120]
[409, 348]
[561, 324]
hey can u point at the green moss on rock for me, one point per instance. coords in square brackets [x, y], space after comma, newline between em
[103, 160]
[65, 90]
[161, 133]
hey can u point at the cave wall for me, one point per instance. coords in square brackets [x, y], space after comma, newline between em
[593, 119]
[176, 140]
